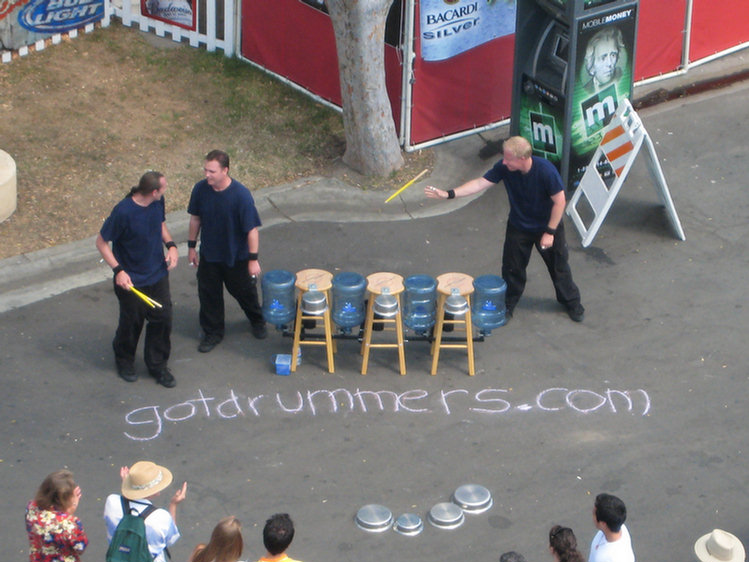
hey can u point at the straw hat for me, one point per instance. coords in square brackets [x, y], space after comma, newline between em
[719, 546]
[145, 479]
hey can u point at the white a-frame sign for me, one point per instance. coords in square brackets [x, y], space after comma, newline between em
[622, 139]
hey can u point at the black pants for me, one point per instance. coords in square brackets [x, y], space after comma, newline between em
[133, 313]
[212, 277]
[516, 255]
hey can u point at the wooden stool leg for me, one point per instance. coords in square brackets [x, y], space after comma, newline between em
[367, 316]
[367, 339]
[439, 316]
[469, 339]
[297, 333]
[329, 345]
[437, 342]
[399, 337]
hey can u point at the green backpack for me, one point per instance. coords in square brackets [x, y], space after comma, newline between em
[129, 543]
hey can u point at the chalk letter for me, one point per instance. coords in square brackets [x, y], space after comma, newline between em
[361, 393]
[204, 400]
[251, 403]
[190, 409]
[332, 395]
[647, 401]
[153, 417]
[232, 401]
[571, 396]
[414, 394]
[609, 396]
[298, 409]
[503, 404]
[542, 395]
[444, 396]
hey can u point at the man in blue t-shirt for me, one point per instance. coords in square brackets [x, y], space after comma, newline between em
[537, 201]
[136, 229]
[222, 211]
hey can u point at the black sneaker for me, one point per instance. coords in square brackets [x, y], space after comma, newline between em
[127, 372]
[207, 343]
[165, 378]
[576, 312]
[259, 331]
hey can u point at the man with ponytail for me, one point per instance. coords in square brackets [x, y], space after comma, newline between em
[137, 228]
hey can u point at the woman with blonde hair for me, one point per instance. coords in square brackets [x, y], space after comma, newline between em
[55, 533]
[225, 545]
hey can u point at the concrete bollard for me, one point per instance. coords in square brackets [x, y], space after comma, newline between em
[8, 194]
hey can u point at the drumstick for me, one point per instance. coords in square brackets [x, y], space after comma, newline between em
[405, 186]
[148, 300]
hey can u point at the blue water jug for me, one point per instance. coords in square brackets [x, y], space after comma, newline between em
[488, 306]
[279, 305]
[347, 296]
[419, 303]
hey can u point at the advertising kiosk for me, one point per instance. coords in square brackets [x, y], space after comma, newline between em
[574, 62]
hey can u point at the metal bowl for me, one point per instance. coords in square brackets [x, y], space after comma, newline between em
[473, 498]
[385, 306]
[446, 515]
[408, 524]
[374, 518]
[456, 305]
[314, 303]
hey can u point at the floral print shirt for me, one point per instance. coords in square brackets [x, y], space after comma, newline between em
[54, 536]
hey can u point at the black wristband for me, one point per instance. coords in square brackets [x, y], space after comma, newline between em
[549, 230]
[253, 256]
[192, 243]
[117, 268]
[451, 194]
[170, 244]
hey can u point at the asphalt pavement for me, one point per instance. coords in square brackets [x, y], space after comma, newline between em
[645, 399]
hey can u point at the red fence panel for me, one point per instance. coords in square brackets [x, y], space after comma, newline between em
[659, 37]
[717, 26]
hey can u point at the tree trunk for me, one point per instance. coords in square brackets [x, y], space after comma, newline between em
[372, 146]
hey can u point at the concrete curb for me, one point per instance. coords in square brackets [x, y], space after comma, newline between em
[35, 276]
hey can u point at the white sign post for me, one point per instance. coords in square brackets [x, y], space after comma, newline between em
[622, 139]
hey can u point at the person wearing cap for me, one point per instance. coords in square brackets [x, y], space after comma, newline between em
[612, 542]
[140, 484]
[222, 211]
[719, 546]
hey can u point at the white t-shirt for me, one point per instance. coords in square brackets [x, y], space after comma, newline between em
[618, 551]
[161, 532]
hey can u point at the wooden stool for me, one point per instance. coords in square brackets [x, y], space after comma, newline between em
[321, 280]
[445, 285]
[378, 284]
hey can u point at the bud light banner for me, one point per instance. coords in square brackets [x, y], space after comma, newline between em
[451, 27]
[58, 16]
[604, 77]
[176, 12]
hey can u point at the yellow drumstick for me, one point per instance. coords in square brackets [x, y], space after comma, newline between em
[148, 300]
[405, 186]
